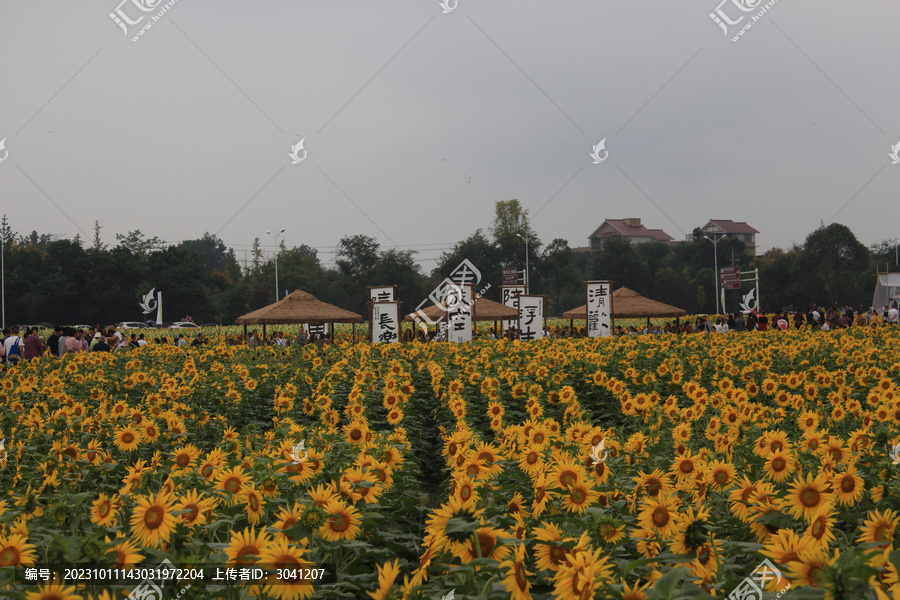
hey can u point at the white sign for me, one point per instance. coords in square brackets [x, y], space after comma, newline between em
[531, 317]
[384, 293]
[314, 328]
[385, 323]
[510, 297]
[459, 300]
[599, 308]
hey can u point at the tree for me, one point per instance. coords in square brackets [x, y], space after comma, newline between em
[511, 222]
[559, 277]
[135, 242]
[98, 243]
[357, 256]
[834, 266]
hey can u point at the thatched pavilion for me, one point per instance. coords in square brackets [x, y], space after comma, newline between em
[297, 308]
[628, 304]
[482, 310]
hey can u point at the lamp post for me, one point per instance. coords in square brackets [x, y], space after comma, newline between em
[275, 240]
[715, 243]
[527, 274]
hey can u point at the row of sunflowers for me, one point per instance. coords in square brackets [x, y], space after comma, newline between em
[632, 468]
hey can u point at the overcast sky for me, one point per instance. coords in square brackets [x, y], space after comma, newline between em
[417, 120]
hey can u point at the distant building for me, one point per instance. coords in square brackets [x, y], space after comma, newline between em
[736, 230]
[631, 229]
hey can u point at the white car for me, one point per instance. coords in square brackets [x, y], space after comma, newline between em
[184, 325]
[131, 325]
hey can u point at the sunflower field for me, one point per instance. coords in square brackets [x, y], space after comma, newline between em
[643, 467]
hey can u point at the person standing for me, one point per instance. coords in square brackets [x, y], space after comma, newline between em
[53, 342]
[13, 346]
[63, 340]
[34, 347]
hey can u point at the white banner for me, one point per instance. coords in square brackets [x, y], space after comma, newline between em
[510, 297]
[385, 323]
[314, 328]
[599, 308]
[383, 293]
[459, 300]
[531, 317]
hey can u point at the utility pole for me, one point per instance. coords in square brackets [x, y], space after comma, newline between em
[715, 243]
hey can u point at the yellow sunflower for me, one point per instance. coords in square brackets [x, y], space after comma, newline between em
[54, 590]
[806, 496]
[343, 521]
[281, 554]
[517, 576]
[15, 550]
[127, 439]
[152, 521]
[104, 511]
[658, 515]
[247, 547]
[387, 574]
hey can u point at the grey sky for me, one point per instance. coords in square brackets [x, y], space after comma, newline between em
[416, 121]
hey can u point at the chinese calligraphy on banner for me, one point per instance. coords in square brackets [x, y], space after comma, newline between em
[384, 293]
[459, 300]
[385, 323]
[599, 308]
[510, 297]
[531, 317]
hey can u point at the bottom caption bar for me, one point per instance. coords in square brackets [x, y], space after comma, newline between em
[166, 571]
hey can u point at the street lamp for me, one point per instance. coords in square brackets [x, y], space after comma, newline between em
[275, 240]
[526, 261]
[715, 243]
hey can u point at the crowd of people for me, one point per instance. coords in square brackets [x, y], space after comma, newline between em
[16, 345]
[28, 344]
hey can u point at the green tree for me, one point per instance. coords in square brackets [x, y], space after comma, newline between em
[834, 267]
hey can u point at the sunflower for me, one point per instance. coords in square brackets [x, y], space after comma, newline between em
[387, 574]
[551, 548]
[247, 547]
[488, 545]
[436, 526]
[654, 483]
[821, 528]
[567, 473]
[812, 569]
[685, 466]
[658, 515]
[15, 550]
[104, 511]
[127, 439]
[280, 554]
[184, 458]
[780, 465]
[516, 580]
[288, 518]
[232, 480]
[582, 575]
[343, 522]
[634, 592]
[879, 527]
[253, 502]
[690, 531]
[848, 486]
[125, 552]
[152, 521]
[785, 547]
[54, 591]
[806, 496]
[196, 507]
[581, 496]
[722, 474]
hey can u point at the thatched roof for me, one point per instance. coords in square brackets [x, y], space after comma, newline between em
[628, 304]
[299, 307]
[484, 310]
